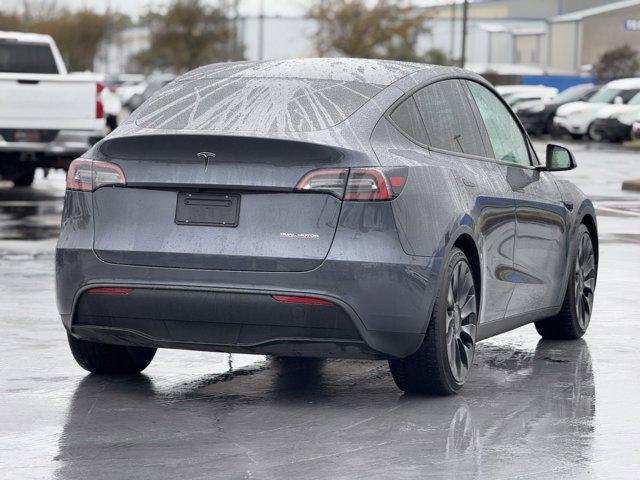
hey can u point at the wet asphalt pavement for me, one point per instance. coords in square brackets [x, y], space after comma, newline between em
[531, 409]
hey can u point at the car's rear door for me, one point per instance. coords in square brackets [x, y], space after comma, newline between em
[458, 183]
[541, 246]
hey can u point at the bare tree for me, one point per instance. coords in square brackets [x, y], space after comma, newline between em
[618, 63]
[191, 33]
[77, 33]
[388, 29]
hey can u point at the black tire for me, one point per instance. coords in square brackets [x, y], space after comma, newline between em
[102, 358]
[550, 127]
[569, 323]
[428, 370]
[593, 134]
[25, 179]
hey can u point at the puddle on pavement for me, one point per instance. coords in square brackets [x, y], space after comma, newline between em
[30, 220]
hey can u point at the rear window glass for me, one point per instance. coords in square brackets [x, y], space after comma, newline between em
[407, 118]
[26, 58]
[255, 104]
[449, 119]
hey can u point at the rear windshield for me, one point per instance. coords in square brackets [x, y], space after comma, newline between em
[255, 104]
[26, 58]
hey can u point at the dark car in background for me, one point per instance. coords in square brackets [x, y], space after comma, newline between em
[322, 208]
[537, 117]
[154, 83]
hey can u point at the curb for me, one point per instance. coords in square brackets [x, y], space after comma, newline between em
[631, 185]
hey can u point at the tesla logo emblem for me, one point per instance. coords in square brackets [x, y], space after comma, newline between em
[207, 157]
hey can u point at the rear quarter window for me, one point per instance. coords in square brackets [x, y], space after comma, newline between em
[255, 104]
[407, 118]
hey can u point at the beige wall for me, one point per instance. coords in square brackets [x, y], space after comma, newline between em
[562, 46]
[530, 49]
[604, 32]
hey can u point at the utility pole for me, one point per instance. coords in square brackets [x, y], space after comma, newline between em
[465, 14]
[261, 32]
[452, 49]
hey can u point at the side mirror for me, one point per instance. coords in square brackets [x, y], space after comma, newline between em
[618, 100]
[559, 159]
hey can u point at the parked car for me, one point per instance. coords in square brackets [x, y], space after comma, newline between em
[577, 118]
[323, 208]
[129, 85]
[516, 99]
[614, 122]
[507, 90]
[151, 86]
[537, 116]
[47, 117]
[635, 130]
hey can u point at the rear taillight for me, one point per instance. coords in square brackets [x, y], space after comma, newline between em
[356, 184]
[329, 180]
[99, 105]
[89, 175]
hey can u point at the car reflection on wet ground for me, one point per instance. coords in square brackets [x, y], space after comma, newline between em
[531, 409]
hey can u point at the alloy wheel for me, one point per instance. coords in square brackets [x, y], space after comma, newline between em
[461, 318]
[584, 281]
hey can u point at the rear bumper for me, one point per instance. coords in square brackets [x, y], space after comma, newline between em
[570, 125]
[206, 319]
[67, 143]
[370, 318]
[382, 296]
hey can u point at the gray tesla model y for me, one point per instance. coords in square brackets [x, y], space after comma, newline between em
[322, 208]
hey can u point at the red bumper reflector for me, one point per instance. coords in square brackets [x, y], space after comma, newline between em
[111, 290]
[307, 300]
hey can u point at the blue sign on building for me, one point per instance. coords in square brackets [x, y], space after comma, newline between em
[632, 24]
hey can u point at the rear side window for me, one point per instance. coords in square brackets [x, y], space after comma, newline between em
[407, 118]
[506, 139]
[26, 58]
[449, 119]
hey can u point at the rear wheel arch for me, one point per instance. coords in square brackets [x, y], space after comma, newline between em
[467, 244]
[588, 220]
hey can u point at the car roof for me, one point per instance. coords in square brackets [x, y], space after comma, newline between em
[26, 37]
[625, 83]
[361, 70]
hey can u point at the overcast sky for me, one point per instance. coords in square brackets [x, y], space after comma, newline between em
[136, 7]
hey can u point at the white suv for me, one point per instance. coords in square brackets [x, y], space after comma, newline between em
[578, 118]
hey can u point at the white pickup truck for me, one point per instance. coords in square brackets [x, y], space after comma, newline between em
[47, 116]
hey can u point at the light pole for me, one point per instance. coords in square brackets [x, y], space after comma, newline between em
[465, 14]
[261, 32]
[452, 49]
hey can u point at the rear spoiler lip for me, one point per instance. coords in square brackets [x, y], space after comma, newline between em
[107, 148]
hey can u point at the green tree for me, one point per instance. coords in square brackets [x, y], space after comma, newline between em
[618, 63]
[191, 33]
[387, 29]
[77, 33]
[10, 21]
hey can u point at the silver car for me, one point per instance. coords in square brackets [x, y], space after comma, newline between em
[325, 208]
